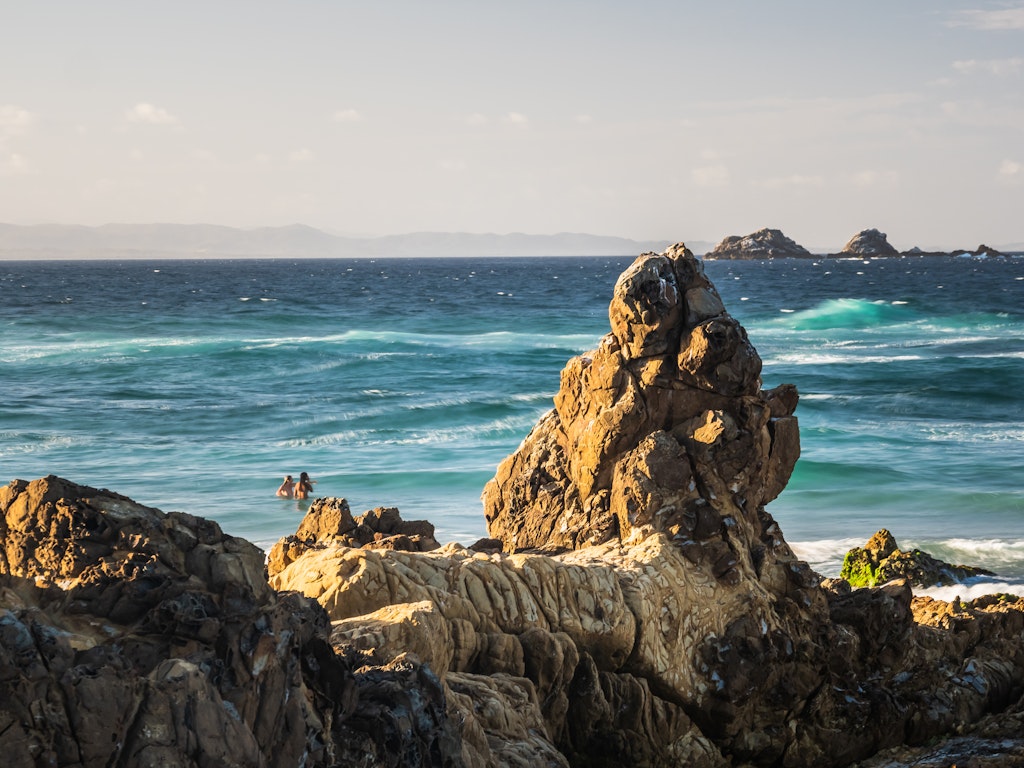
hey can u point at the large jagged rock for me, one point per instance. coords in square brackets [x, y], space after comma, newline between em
[881, 560]
[869, 243]
[133, 638]
[763, 244]
[664, 426]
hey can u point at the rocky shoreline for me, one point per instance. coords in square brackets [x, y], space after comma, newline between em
[636, 604]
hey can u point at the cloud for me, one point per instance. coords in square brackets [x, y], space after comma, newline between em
[299, 156]
[516, 118]
[347, 116]
[583, 119]
[476, 119]
[795, 180]
[711, 176]
[14, 120]
[995, 67]
[1002, 19]
[875, 178]
[12, 163]
[147, 113]
[1011, 170]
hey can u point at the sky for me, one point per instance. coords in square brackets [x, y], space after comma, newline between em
[669, 120]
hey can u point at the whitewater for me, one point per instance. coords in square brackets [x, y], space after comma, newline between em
[197, 385]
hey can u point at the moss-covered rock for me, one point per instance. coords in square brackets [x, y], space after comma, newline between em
[880, 561]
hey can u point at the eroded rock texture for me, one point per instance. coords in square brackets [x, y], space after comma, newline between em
[133, 638]
[664, 426]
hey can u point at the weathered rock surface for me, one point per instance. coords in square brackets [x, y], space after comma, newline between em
[133, 638]
[663, 426]
[330, 520]
[763, 244]
[869, 243]
[881, 560]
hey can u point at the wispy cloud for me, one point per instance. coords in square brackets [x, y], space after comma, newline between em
[1000, 19]
[147, 113]
[996, 67]
[347, 116]
[516, 118]
[14, 120]
[794, 180]
[816, 105]
[871, 178]
[476, 119]
[1011, 171]
[711, 176]
[300, 156]
[12, 164]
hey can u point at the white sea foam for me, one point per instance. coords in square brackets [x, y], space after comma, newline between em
[973, 433]
[805, 358]
[971, 589]
[37, 444]
[825, 555]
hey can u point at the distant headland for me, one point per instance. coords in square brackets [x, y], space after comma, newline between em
[211, 241]
[208, 241]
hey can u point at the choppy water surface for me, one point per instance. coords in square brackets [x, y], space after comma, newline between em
[198, 385]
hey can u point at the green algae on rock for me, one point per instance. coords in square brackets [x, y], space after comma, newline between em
[881, 560]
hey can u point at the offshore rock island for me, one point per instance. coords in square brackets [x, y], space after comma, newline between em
[635, 605]
[866, 244]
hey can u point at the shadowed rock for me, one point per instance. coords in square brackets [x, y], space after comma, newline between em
[131, 637]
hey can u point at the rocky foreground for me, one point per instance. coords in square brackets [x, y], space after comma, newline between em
[636, 605]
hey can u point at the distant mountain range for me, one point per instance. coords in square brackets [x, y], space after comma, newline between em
[148, 241]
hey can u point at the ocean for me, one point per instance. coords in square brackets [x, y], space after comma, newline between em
[197, 385]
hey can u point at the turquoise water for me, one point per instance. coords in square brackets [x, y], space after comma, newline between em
[197, 386]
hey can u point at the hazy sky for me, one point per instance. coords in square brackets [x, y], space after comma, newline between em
[647, 119]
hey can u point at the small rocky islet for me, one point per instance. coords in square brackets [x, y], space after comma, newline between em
[635, 605]
[867, 244]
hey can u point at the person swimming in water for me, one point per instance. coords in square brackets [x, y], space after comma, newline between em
[287, 488]
[304, 487]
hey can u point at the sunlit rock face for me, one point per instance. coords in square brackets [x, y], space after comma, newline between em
[663, 428]
[763, 244]
[869, 243]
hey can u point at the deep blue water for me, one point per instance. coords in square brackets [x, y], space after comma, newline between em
[196, 385]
